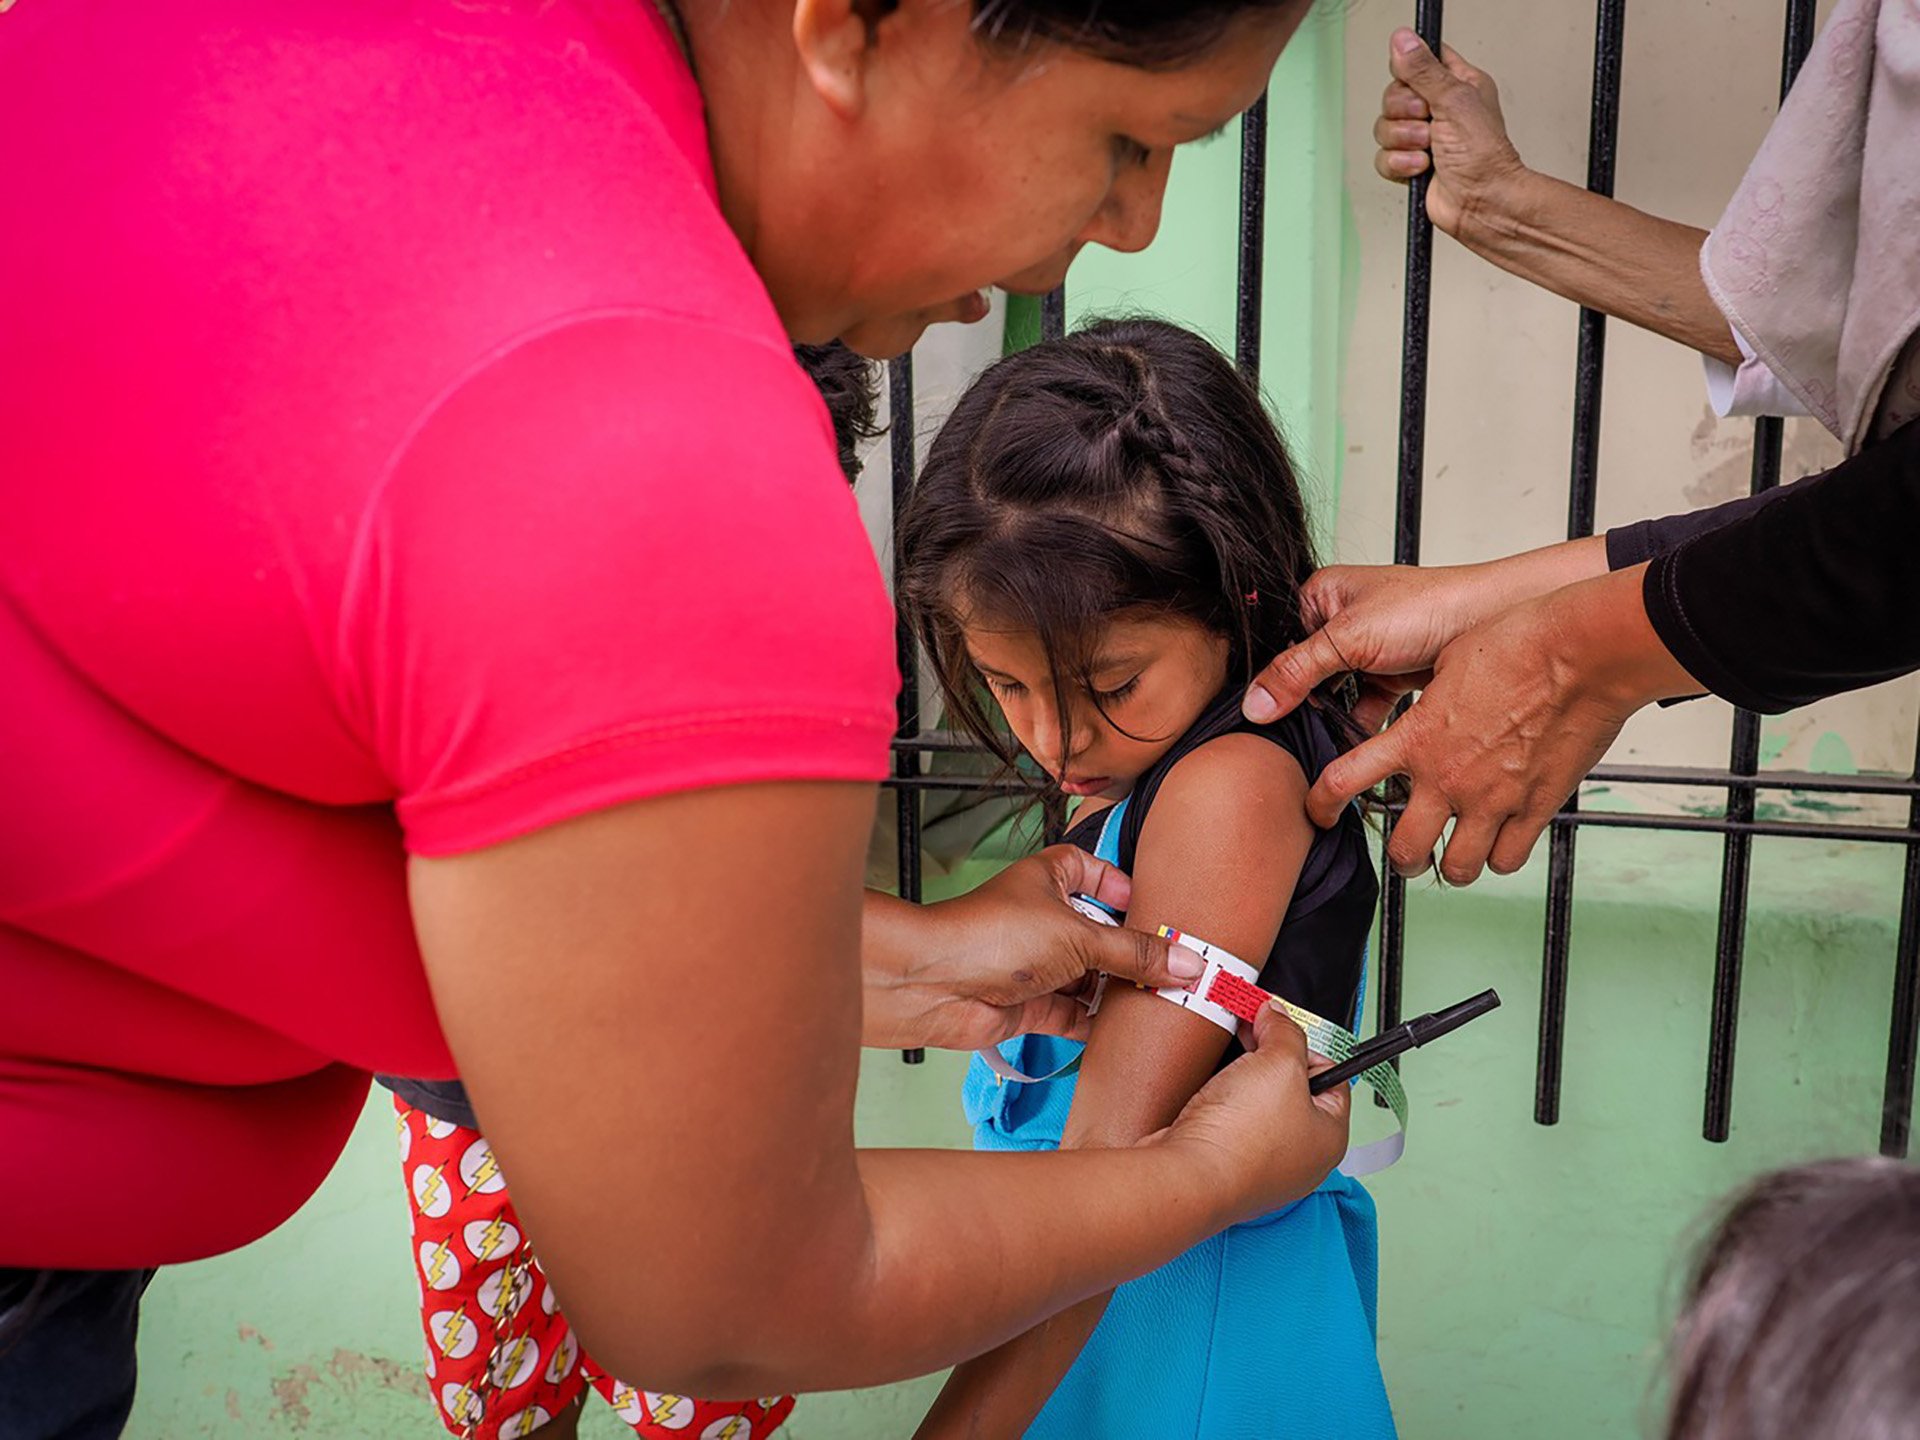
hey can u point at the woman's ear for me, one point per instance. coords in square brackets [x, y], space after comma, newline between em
[834, 39]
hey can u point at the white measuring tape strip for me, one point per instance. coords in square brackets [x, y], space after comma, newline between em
[1228, 993]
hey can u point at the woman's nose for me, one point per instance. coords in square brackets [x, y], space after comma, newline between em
[1130, 218]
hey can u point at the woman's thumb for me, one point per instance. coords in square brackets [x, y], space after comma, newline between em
[1418, 67]
[1149, 960]
[1275, 1034]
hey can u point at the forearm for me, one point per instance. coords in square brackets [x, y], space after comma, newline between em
[1144, 1061]
[892, 930]
[998, 1394]
[1602, 649]
[961, 1252]
[1496, 585]
[1603, 254]
[1806, 596]
[1642, 540]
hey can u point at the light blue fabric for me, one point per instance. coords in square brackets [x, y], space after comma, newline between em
[1266, 1330]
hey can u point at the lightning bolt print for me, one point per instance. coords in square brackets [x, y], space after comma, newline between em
[490, 1237]
[432, 1188]
[451, 1333]
[663, 1409]
[509, 1365]
[465, 1405]
[437, 1266]
[484, 1172]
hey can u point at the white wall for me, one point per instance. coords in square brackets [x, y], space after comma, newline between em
[1699, 86]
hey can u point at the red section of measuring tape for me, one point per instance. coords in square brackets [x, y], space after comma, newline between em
[1236, 996]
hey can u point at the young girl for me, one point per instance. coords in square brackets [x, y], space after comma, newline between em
[1108, 538]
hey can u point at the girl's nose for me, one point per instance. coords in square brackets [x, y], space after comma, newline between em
[1048, 741]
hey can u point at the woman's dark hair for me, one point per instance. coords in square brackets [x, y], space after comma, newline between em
[1802, 1319]
[1125, 469]
[1152, 34]
[846, 382]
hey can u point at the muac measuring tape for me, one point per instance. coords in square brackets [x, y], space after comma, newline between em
[1228, 994]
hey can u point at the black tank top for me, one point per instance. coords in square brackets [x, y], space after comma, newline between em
[1318, 957]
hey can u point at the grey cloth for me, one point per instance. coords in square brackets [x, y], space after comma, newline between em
[442, 1099]
[1816, 261]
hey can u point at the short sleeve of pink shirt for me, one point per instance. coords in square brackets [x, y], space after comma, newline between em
[678, 595]
[398, 453]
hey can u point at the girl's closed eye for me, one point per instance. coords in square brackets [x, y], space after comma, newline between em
[1118, 693]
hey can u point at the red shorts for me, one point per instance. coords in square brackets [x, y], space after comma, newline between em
[501, 1358]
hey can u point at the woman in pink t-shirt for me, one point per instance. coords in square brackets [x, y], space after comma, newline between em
[436, 639]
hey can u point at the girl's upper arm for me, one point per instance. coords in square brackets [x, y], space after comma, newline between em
[1217, 858]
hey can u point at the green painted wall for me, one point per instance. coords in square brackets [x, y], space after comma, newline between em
[1525, 1270]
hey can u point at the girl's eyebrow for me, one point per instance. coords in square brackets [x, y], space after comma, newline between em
[986, 669]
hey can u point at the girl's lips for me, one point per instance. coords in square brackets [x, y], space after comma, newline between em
[1085, 787]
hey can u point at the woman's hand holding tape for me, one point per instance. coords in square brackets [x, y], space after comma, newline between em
[1006, 959]
[1257, 1121]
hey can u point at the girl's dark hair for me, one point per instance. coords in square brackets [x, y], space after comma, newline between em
[1127, 468]
[1152, 34]
[1802, 1319]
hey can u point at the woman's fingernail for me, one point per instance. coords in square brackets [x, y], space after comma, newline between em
[1259, 706]
[1185, 964]
[1406, 42]
[1276, 1003]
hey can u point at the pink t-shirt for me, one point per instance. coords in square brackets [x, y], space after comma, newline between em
[397, 454]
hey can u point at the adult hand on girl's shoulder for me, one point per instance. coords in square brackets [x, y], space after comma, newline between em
[1272, 1139]
[1383, 624]
[1387, 624]
[1013, 958]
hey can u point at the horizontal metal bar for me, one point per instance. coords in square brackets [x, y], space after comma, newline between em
[1874, 783]
[963, 784]
[1607, 819]
[1708, 825]
[1869, 784]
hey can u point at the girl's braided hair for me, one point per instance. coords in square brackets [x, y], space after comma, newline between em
[1125, 469]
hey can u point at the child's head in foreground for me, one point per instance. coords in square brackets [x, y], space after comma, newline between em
[1802, 1319]
[1109, 535]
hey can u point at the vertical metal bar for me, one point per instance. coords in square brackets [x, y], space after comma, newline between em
[1730, 937]
[1603, 134]
[1407, 495]
[1413, 345]
[1903, 1031]
[1736, 861]
[1053, 312]
[1253, 229]
[906, 762]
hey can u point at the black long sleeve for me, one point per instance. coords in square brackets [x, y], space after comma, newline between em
[1780, 599]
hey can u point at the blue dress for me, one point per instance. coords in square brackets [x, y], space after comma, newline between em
[1267, 1330]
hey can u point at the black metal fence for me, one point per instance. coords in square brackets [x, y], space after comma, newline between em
[1742, 780]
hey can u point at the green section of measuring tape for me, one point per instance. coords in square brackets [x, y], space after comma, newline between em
[1338, 1043]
